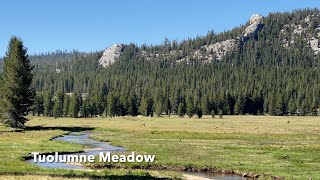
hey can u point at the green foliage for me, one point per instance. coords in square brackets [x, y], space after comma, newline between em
[199, 112]
[190, 108]
[220, 114]
[213, 114]
[47, 103]
[147, 107]
[181, 109]
[133, 106]
[16, 95]
[260, 77]
[58, 105]
[66, 104]
[74, 105]
[239, 106]
[158, 109]
[38, 107]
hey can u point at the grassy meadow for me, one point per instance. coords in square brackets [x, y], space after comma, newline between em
[273, 146]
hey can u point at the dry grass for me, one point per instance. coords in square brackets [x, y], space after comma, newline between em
[281, 146]
[32, 177]
[229, 124]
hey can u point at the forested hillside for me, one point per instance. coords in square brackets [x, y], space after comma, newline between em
[275, 71]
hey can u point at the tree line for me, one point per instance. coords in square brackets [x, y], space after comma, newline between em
[262, 76]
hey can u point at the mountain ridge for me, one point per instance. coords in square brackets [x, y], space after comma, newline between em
[217, 50]
[262, 76]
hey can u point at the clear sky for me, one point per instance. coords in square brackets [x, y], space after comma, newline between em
[90, 25]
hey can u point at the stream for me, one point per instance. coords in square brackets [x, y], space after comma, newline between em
[97, 147]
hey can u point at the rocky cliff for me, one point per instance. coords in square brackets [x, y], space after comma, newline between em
[217, 50]
[110, 55]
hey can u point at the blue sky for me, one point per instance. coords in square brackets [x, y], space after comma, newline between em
[90, 25]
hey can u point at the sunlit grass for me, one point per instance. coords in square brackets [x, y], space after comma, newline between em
[280, 146]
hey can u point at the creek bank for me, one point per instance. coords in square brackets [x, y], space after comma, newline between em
[97, 147]
[183, 169]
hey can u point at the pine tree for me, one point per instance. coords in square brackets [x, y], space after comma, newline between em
[239, 106]
[167, 107]
[47, 103]
[199, 111]
[292, 107]
[58, 105]
[181, 109]
[132, 105]
[100, 104]
[144, 107]
[38, 105]
[220, 113]
[158, 110]
[74, 106]
[112, 105]
[66, 105]
[280, 106]
[213, 114]
[150, 107]
[272, 105]
[39, 108]
[314, 106]
[206, 107]
[123, 106]
[85, 109]
[190, 108]
[17, 96]
[56, 108]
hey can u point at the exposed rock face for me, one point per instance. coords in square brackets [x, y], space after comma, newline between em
[299, 30]
[255, 26]
[111, 54]
[206, 53]
[314, 44]
[256, 18]
[220, 49]
[217, 50]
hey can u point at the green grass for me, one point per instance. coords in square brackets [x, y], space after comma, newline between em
[14, 146]
[280, 146]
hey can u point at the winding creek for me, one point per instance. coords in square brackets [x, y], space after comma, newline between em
[97, 147]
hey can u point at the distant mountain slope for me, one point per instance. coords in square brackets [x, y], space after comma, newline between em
[268, 65]
[307, 28]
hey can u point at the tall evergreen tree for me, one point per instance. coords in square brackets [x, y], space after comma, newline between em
[167, 107]
[66, 105]
[38, 107]
[158, 109]
[220, 114]
[132, 105]
[181, 109]
[190, 108]
[17, 96]
[58, 105]
[239, 106]
[74, 106]
[112, 105]
[292, 106]
[280, 108]
[47, 103]
[199, 111]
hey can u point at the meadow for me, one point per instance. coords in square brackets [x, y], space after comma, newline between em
[268, 146]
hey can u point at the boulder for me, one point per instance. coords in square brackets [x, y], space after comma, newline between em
[111, 54]
[255, 26]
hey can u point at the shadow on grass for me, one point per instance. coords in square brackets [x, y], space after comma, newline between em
[91, 176]
[72, 174]
[71, 128]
